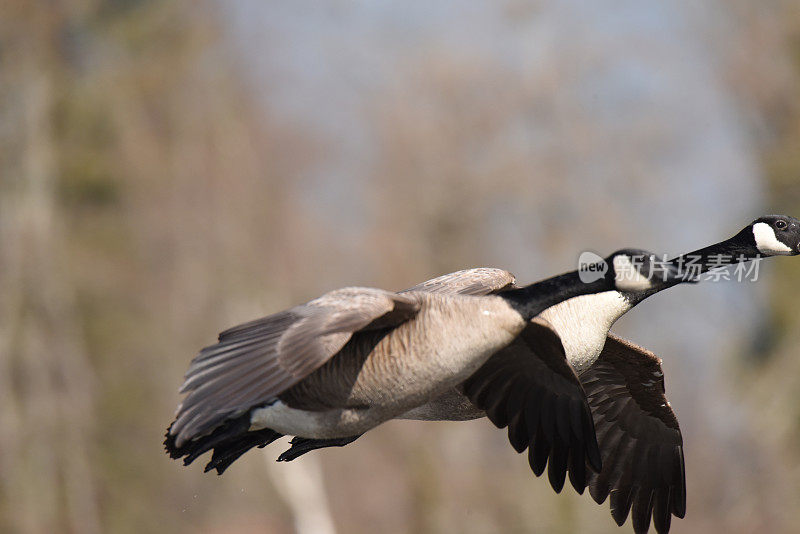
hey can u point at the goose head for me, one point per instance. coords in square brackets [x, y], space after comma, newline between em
[635, 270]
[773, 235]
[629, 270]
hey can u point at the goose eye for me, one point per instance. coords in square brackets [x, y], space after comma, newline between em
[780, 225]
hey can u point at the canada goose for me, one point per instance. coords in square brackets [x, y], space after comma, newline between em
[612, 371]
[355, 357]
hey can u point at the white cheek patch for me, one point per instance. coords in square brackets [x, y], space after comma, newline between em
[767, 242]
[627, 277]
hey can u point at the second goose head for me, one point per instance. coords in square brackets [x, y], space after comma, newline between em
[636, 270]
[627, 270]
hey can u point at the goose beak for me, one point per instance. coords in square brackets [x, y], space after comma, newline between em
[794, 233]
[796, 249]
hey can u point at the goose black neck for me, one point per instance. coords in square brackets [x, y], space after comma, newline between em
[533, 299]
[739, 248]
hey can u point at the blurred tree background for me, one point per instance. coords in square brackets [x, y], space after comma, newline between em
[168, 169]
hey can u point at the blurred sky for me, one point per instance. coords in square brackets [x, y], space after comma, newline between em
[647, 129]
[172, 169]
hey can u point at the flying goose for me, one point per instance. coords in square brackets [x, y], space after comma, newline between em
[635, 425]
[345, 362]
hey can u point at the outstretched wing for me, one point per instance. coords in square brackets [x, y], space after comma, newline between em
[476, 282]
[529, 387]
[253, 363]
[639, 437]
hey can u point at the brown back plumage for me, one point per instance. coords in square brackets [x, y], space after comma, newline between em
[475, 282]
[253, 363]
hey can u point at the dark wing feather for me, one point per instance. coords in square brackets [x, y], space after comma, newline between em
[639, 436]
[254, 362]
[529, 387]
[477, 282]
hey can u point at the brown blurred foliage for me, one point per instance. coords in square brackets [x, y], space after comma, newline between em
[145, 205]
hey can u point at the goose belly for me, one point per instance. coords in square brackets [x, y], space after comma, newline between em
[378, 377]
[581, 322]
[435, 352]
[452, 405]
[324, 424]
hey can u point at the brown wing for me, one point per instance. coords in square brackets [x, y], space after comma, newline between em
[478, 281]
[639, 437]
[530, 387]
[255, 362]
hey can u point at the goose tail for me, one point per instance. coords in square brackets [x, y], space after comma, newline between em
[228, 441]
